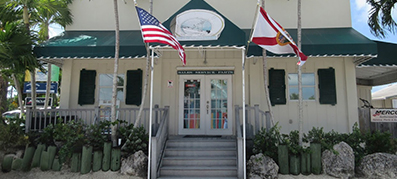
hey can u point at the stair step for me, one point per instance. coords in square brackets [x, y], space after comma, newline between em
[201, 151]
[200, 161]
[201, 142]
[201, 171]
[174, 177]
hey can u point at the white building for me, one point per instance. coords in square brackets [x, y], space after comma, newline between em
[205, 91]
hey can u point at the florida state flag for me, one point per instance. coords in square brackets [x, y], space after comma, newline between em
[269, 35]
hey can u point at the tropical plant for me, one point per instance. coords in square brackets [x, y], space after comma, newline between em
[72, 135]
[16, 52]
[380, 18]
[293, 146]
[266, 142]
[137, 139]
[12, 135]
[97, 134]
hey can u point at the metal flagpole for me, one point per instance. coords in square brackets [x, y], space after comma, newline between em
[244, 136]
[150, 114]
[300, 76]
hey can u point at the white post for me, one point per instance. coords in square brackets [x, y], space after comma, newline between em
[244, 135]
[150, 115]
[300, 77]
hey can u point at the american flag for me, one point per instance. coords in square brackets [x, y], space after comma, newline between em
[154, 31]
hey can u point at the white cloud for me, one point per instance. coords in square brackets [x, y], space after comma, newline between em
[362, 9]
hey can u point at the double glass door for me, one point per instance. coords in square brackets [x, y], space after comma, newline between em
[205, 106]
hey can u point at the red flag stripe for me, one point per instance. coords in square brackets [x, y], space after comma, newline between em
[264, 40]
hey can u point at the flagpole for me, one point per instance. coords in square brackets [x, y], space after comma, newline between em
[244, 135]
[300, 75]
[150, 115]
[252, 28]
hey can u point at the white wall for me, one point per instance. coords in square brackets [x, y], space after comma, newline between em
[339, 117]
[99, 14]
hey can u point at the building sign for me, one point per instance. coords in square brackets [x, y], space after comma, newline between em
[383, 115]
[206, 72]
[39, 101]
[197, 24]
[40, 87]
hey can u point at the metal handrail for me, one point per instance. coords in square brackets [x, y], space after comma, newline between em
[158, 143]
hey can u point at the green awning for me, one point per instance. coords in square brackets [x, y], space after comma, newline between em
[387, 54]
[327, 42]
[98, 44]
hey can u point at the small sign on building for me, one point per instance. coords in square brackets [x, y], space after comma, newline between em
[383, 115]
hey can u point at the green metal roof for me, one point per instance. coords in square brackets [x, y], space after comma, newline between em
[327, 41]
[387, 54]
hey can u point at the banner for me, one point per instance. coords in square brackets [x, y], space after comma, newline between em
[383, 115]
[41, 76]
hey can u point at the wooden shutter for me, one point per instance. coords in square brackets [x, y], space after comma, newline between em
[326, 86]
[134, 87]
[277, 86]
[87, 87]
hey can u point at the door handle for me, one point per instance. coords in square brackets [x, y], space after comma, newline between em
[208, 106]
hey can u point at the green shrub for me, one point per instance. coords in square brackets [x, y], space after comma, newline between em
[72, 137]
[97, 134]
[12, 135]
[379, 142]
[293, 145]
[267, 142]
[136, 138]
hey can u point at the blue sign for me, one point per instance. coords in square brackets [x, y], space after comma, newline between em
[40, 87]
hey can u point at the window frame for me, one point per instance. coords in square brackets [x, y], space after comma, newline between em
[303, 86]
[101, 86]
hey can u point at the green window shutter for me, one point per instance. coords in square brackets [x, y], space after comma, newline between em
[87, 87]
[326, 86]
[277, 86]
[134, 87]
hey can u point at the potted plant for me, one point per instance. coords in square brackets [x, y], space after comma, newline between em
[294, 152]
[316, 138]
[266, 142]
[282, 152]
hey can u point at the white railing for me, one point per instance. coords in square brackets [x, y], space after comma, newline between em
[38, 119]
[255, 119]
[158, 144]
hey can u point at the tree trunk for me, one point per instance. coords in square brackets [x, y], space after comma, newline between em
[300, 76]
[138, 118]
[3, 94]
[48, 87]
[19, 91]
[116, 61]
[33, 85]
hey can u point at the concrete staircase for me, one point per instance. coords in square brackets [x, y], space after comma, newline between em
[200, 157]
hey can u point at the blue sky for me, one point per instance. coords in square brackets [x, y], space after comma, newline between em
[359, 10]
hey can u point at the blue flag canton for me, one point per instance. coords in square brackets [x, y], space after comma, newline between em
[146, 18]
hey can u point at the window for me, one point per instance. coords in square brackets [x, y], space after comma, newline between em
[308, 86]
[87, 87]
[326, 86]
[394, 103]
[277, 86]
[133, 92]
[106, 87]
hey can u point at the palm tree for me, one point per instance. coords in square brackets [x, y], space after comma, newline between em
[46, 11]
[116, 66]
[57, 12]
[16, 52]
[380, 18]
